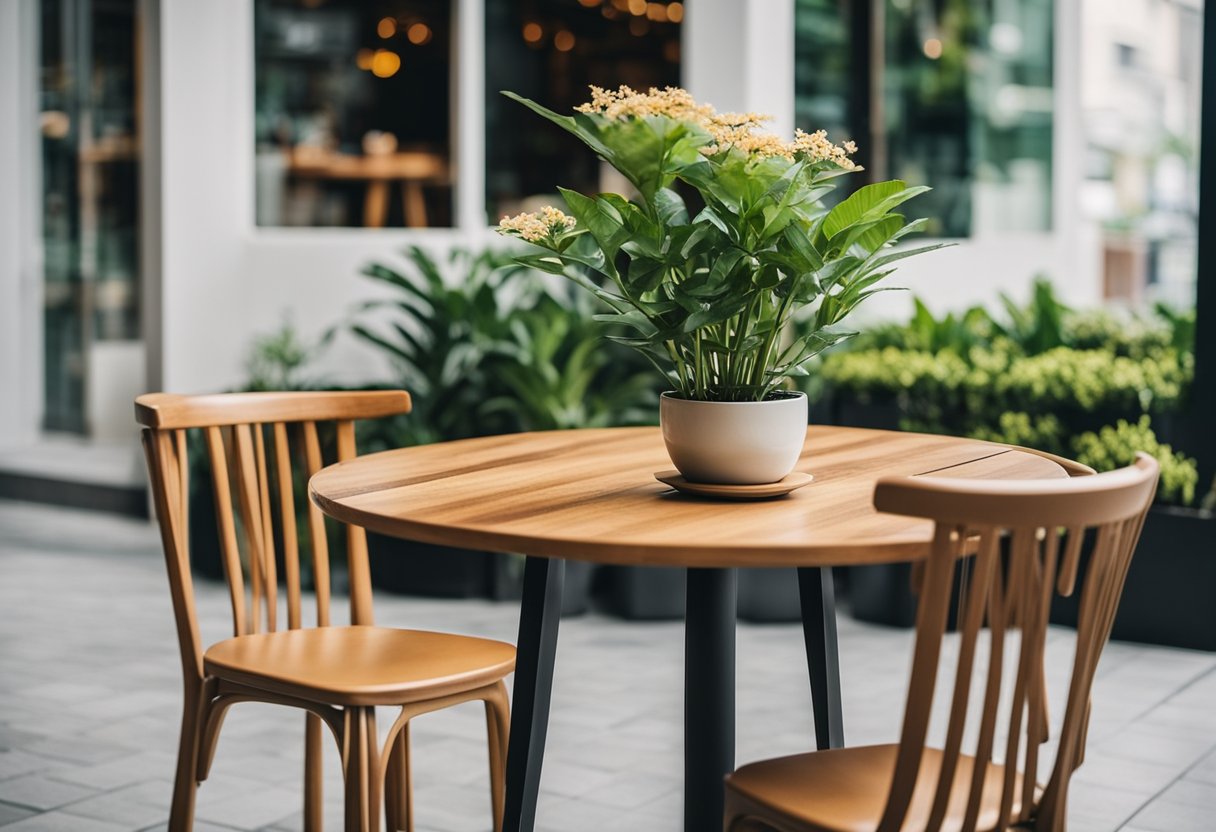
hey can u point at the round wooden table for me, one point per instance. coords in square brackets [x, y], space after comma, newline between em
[591, 495]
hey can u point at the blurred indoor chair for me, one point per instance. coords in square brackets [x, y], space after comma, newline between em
[337, 673]
[1020, 542]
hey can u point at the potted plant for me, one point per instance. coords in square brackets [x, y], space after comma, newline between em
[708, 295]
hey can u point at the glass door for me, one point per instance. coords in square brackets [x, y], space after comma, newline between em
[90, 152]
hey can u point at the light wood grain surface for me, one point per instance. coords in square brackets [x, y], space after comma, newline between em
[591, 495]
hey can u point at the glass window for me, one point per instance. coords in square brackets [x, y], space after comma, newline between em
[1140, 87]
[550, 51]
[353, 118]
[968, 109]
[966, 102]
[90, 150]
[824, 70]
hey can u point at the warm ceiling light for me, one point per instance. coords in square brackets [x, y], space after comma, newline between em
[609, 12]
[620, 5]
[386, 28]
[533, 32]
[933, 48]
[675, 12]
[418, 34]
[638, 26]
[363, 58]
[671, 51]
[591, 4]
[385, 63]
[637, 7]
[656, 12]
[563, 41]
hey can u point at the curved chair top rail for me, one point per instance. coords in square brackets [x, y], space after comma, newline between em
[1070, 466]
[1100, 498]
[170, 411]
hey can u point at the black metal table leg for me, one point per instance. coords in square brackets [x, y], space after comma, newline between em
[818, 597]
[538, 619]
[709, 695]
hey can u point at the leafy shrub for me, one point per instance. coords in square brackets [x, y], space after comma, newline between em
[277, 359]
[1091, 380]
[1116, 446]
[1042, 376]
[1043, 431]
[492, 348]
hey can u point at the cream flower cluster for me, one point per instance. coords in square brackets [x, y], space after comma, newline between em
[816, 147]
[672, 102]
[537, 225]
[738, 130]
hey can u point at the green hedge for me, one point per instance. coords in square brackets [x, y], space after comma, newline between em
[1081, 384]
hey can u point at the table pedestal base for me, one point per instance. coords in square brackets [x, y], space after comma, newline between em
[709, 695]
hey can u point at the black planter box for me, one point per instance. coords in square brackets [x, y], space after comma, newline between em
[769, 595]
[645, 593]
[1170, 594]
[855, 413]
[1169, 598]
[882, 594]
[657, 593]
[411, 568]
[507, 582]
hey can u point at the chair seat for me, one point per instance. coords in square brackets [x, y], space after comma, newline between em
[846, 789]
[360, 665]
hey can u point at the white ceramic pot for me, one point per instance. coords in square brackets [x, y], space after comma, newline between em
[737, 443]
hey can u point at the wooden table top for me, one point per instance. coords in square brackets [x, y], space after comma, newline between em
[591, 495]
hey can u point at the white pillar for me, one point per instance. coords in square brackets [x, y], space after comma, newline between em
[468, 116]
[20, 250]
[739, 56]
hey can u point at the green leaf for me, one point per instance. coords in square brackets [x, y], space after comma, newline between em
[872, 235]
[852, 210]
[601, 219]
[670, 207]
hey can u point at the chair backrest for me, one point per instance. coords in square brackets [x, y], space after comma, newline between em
[1018, 544]
[249, 442]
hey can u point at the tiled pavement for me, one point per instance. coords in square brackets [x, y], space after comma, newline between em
[89, 698]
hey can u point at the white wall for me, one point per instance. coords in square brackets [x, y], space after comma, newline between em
[226, 281]
[20, 258]
[739, 56]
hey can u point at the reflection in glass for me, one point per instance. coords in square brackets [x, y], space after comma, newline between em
[353, 112]
[550, 51]
[824, 67]
[88, 100]
[1140, 87]
[968, 108]
[966, 101]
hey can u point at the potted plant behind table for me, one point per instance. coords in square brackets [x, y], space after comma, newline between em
[709, 295]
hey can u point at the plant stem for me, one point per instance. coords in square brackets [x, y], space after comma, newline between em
[681, 370]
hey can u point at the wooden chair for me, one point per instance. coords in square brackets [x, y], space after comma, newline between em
[338, 674]
[1016, 558]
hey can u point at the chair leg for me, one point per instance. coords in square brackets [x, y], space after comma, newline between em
[498, 724]
[398, 788]
[313, 772]
[185, 781]
[359, 768]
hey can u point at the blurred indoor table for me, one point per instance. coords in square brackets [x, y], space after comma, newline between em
[413, 169]
[591, 495]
